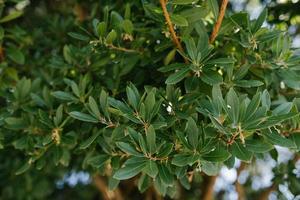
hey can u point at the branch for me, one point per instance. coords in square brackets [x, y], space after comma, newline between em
[208, 187]
[111, 46]
[219, 21]
[175, 39]
[266, 193]
[105, 192]
[1, 54]
[238, 187]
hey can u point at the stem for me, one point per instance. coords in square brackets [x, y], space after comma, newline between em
[238, 187]
[105, 192]
[175, 39]
[208, 187]
[266, 193]
[219, 21]
[111, 46]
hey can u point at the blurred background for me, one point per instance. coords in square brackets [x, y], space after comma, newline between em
[52, 19]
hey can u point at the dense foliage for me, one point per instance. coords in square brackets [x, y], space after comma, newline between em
[102, 88]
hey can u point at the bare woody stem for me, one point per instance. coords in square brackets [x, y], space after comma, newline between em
[219, 21]
[239, 188]
[101, 185]
[208, 187]
[175, 39]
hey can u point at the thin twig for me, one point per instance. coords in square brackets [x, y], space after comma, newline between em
[111, 46]
[219, 21]
[175, 39]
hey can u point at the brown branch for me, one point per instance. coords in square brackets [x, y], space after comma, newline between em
[175, 39]
[111, 46]
[1, 54]
[266, 193]
[105, 192]
[238, 187]
[219, 21]
[208, 187]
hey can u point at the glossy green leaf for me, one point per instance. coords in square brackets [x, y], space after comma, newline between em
[177, 76]
[83, 117]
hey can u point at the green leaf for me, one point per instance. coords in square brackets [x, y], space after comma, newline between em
[177, 76]
[133, 99]
[258, 145]
[59, 115]
[209, 168]
[192, 132]
[165, 150]
[104, 103]
[179, 20]
[266, 99]
[64, 96]
[75, 89]
[260, 20]
[275, 138]
[79, 36]
[112, 35]
[151, 139]
[133, 166]
[233, 105]
[165, 175]
[97, 161]
[239, 150]
[112, 183]
[181, 160]
[183, 2]
[94, 107]
[214, 7]
[283, 108]
[144, 183]
[266, 37]
[211, 77]
[23, 168]
[127, 26]
[151, 168]
[101, 27]
[2, 33]
[248, 83]
[217, 155]
[83, 117]
[274, 120]
[127, 148]
[90, 140]
[16, 123]
[221, 62]
[253, 105]
[13, 15]
[16, 55]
